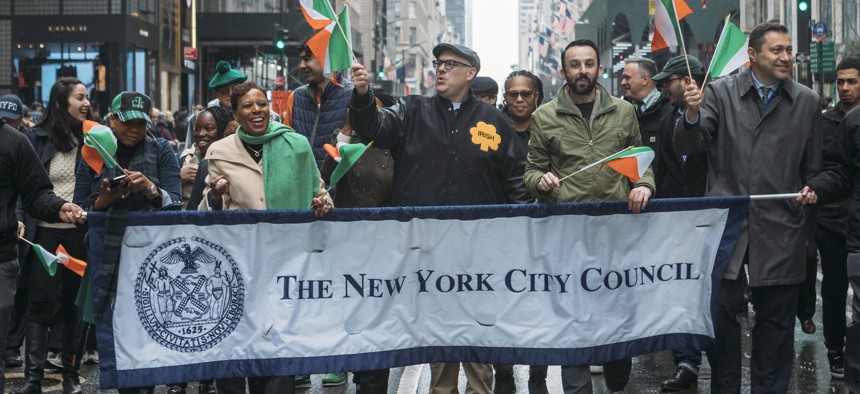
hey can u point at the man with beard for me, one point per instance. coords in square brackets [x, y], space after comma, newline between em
[761, 131]
[315, 110]
[581, 126]
[438, 161]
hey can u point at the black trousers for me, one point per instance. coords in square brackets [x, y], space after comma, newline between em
[267, 385]
[834, 285]
[374, 381]
[806, 292]
[772, 338]
[54, 296]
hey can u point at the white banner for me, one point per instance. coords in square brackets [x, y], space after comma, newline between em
[277, 293]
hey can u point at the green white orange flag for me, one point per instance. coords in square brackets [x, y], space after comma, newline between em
[77, 266]
[667, 29]
[318, 13]
[731, 51]
[346, 155]
[631, 163]
[332, 46]
[99, 146]
[48, 259]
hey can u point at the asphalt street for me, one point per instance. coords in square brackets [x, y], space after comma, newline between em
[811, 372]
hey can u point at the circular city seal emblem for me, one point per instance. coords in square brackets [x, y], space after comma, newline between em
[189, 294]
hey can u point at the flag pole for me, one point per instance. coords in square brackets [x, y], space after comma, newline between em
[681, 36]
[25, 240]
[112, 160]
[765, 197]
[596, 163]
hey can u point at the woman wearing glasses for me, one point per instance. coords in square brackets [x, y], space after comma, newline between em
[523, 94]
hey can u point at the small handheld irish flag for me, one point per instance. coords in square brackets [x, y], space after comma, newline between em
[77, 266]
[346, 155]
[99, 146]
[48, 259]
[632, 162]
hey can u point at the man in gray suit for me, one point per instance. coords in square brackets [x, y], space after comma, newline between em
[761, 131]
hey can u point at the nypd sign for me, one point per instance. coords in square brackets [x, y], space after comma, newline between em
[250, 293]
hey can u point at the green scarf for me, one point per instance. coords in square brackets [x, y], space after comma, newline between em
[290, 176]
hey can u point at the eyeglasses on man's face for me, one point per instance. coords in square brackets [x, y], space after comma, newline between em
[525, 94]
[449, 64]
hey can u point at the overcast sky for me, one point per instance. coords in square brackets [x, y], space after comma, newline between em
[495, 33]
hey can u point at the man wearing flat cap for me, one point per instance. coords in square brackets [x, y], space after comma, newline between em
[486, 89]
[679, 176]
[449, 149]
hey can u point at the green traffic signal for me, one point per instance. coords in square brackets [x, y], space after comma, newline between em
[605, 75]
[280, 44]
[803, 6]
[380, 74]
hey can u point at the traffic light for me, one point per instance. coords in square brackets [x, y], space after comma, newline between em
[280, 36]
[605, 75]
[380, 74]
[803, 6]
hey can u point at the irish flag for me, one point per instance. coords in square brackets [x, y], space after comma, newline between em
[731, 51]
[332, 45]
[667, 30]
[346, 155]
[318, 13]
[48, 259]
[77, 266]
[631, 162]
[99, 146]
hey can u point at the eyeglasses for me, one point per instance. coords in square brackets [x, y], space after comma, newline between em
[672, 79]
[525, 94]
[449, 64]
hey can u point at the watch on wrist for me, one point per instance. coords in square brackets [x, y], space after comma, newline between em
[153, 191]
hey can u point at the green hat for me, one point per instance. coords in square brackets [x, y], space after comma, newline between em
[677, 65]
[225, 75]
[130, 106]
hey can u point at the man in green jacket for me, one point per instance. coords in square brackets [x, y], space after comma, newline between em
[583, 125]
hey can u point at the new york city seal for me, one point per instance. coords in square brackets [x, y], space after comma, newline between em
[189, 294]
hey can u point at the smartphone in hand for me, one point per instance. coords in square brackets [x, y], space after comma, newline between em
[119, 181]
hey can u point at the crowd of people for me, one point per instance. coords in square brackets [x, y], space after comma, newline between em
[754, 132]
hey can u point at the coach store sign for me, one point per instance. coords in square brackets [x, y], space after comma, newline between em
[67, 28]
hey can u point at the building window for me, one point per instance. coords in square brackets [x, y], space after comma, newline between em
[142, 9]
[788, 18]
[42, 7]
[412, 9]
[412, 34]
[5, 47]
[397, 35]
[849, 21]
[85, 7]
[5, 7]
[241, 6]
[396, 9]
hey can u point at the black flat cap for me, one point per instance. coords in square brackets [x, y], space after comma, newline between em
[485, 86]
[462, 51]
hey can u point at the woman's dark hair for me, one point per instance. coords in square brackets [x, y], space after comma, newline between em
[242, 89]
[57, 121]
[387, 99]
[221, 115]
[537, 85]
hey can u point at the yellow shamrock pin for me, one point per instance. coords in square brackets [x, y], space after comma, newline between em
[485, 135]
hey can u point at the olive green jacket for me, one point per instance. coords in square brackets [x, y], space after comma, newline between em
[562, 142]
